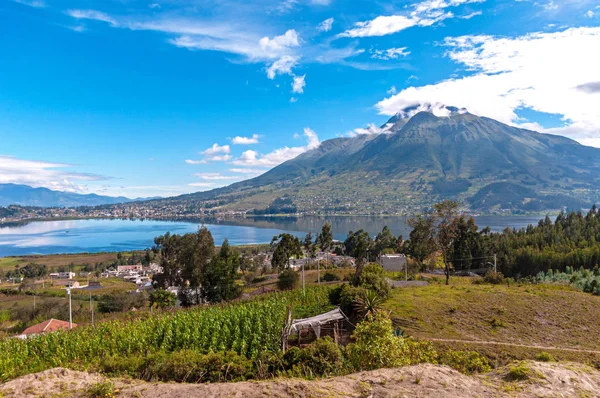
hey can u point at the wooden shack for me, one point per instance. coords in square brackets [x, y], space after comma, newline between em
[300, 332]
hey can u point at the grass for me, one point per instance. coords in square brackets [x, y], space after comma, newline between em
[545, 315]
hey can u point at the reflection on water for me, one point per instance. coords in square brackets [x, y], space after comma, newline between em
[76, 236]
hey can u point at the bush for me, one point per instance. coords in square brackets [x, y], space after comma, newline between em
[181, 366]
[322, 358]
[373, 278]
[345, 296]
[544, 357]
[467, 362]
[494, 278]
[518, 372]
[375, 345]
[119, 302]
[104, 389]
[330, 277]
[288, 280]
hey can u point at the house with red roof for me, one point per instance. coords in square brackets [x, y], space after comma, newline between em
[51, 325]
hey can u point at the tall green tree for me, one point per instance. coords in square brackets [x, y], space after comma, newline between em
[219, 277]
[325, 238]
[287, 246]
[385, 241]
[359, 245]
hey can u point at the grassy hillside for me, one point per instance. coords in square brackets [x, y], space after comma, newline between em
[533, 315]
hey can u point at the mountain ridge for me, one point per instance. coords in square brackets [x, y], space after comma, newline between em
[418, 154]
[25, 195]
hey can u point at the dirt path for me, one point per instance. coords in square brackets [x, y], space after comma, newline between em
[537, 347]
[563, 380]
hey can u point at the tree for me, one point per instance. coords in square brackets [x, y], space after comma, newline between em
[219, 277]
[420, 244]
[446, 230]
[286, 246]
[325, 238]
[436, 230]
[287, 280]
[162, 299]
[358, 245]
[385, 241]
[183, 258]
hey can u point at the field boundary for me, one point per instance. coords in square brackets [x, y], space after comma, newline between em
[540, 347]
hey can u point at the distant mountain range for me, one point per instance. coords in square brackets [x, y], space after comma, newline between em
[418, 159]
[415, 160]
[24, 195]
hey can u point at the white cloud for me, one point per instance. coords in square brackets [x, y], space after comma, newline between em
[201, 184]
[293, 100]
[154, 5]
[44, 174]
[253, 158]
[280, 43]
[93, 15]
[590, 14]
[216, 153]
[392, 90]
[216, 148]
[245, 140]
[248, 171]
[425, 13]
[390, 53]
[471, 15]
[32, 3]
[282, 66]
[381, 26]
[215, 177]
[191, 161]
[371, 129]
[298, 84]
[326, 25]
[553, 73]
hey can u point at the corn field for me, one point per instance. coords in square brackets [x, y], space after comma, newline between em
[247, 328]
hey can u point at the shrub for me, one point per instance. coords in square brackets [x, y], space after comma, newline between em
[320, 359]
[104, 389]
[495, 278]
[348, 297]
[544, 357]
[119, 302]
[467, 362]
[190, 366]
[288, 280]
[373, 278]
[375, 345]
[330, 277]
[518, 372]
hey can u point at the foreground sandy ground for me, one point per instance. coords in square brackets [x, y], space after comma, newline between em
[545, 380]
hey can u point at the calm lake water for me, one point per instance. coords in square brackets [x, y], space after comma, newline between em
[77, 236]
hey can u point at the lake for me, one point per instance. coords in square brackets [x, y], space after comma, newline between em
[77, 236]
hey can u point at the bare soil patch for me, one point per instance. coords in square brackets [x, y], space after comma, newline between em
[543, 379]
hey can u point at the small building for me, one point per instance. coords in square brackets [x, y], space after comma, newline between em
[393, 262]
[129, 268]
[304, 331]
[51, 325]
[62, 275]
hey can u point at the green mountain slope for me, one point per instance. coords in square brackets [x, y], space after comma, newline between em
[417, 161]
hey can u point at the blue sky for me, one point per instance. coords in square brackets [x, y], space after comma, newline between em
[157, 98]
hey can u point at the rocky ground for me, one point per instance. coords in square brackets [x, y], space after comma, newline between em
[540, 379]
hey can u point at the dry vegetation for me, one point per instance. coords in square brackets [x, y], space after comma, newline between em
[534, 315]
[535, 379]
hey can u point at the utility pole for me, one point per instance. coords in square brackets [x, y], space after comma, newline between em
[34, 301]
[495, 267]
[70, 308]
[92, 308]
[303, 292]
